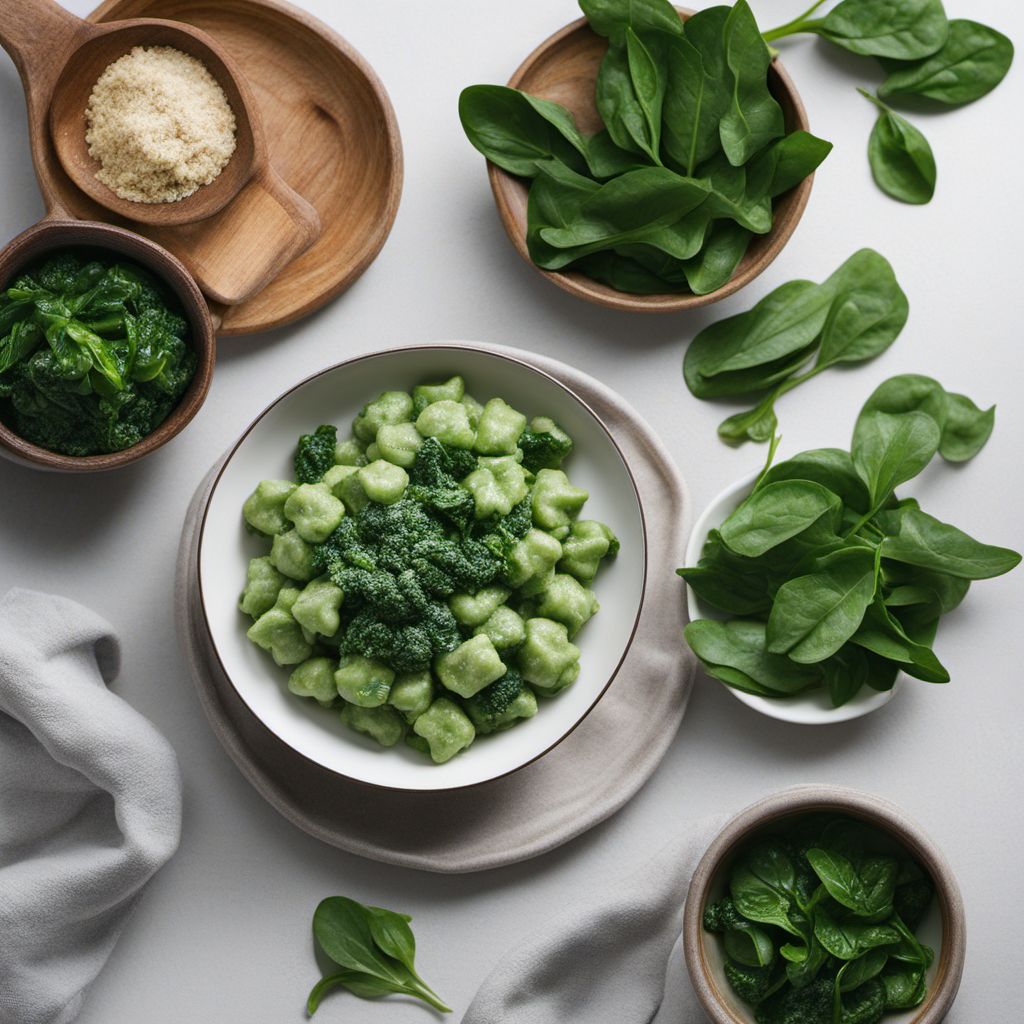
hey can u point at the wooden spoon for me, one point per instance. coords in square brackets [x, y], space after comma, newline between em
[60, 57]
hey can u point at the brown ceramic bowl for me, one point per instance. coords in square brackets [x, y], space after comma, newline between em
[564, 69]
[944, 928]
[62, 234]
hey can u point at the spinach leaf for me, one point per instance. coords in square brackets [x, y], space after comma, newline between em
[839, 877]
[753, 118]
[883, 635]
[830, 467]
[735, 652]
[728, 581]
[965, 429]
[624, 274]
[901, 159]
[757, 424]
[973, 60]
[621, 109]
[785, 321]
[889, 449]
[814, 615]
[724, 248]
[613, 18]
[644, 206]
[374, 947]
[850, 939]
[517, 131]
[784, 164]
[905, 987]
[906, 30]
[930, 544]
[864, 321]
[776, 512]
[845, 674]
[867, 966]
[697, 91]
[556, 199]
[749, 945]
[606, 160]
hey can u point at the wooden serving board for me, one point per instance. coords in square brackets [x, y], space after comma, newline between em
[332, 136]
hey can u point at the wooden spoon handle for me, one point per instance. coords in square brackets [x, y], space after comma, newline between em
[235, 253]
[39, 36]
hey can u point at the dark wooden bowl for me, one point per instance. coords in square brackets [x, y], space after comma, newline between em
[61, 234]
[564, 69]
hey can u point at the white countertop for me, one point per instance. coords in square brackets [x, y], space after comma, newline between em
[223, 933]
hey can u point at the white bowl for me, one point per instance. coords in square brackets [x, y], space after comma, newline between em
[336, 395]
[809, 708]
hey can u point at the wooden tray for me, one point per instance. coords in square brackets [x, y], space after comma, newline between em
[332, 135]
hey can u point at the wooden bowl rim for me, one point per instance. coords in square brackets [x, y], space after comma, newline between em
[74, 233]
[207, 200]
[876, 811]
[502, 185]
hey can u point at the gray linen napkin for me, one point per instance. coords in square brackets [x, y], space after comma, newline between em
[613, 959]
[90, 805]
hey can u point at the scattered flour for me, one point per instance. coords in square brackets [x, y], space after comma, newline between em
[159, 125]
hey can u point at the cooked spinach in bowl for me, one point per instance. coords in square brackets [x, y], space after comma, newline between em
[94, 353]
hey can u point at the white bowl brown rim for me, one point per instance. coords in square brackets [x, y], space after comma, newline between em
[446, 347]
[876, 811]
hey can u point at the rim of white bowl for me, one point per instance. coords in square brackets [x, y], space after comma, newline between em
[800, 710]
[454, 346]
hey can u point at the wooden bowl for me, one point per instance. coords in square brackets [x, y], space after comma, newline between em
[564, 69]
[61, 234]
[944, 927]
[101, 46]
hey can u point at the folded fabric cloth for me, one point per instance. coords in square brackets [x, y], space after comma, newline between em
[613, 959]
[90, 805]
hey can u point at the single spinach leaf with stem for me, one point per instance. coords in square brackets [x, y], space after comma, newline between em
[753, 117]
[973, 60]
[907, 30]
[928, 543]
[374, 950]
[901, 159]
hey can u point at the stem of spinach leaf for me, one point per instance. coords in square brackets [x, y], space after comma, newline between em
[803, 23]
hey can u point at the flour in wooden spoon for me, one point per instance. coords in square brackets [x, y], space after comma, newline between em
[159, 125]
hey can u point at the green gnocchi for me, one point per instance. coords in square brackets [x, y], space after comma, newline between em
[428, 586]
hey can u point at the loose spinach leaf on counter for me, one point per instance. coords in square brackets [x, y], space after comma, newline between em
[970, 64]
[811, 928]
[691, 158]
[375, 949]
[833, 581]
[907, 30]
[854, 315]
[902, 162]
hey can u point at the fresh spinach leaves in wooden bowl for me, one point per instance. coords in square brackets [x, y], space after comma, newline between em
[667, 156]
